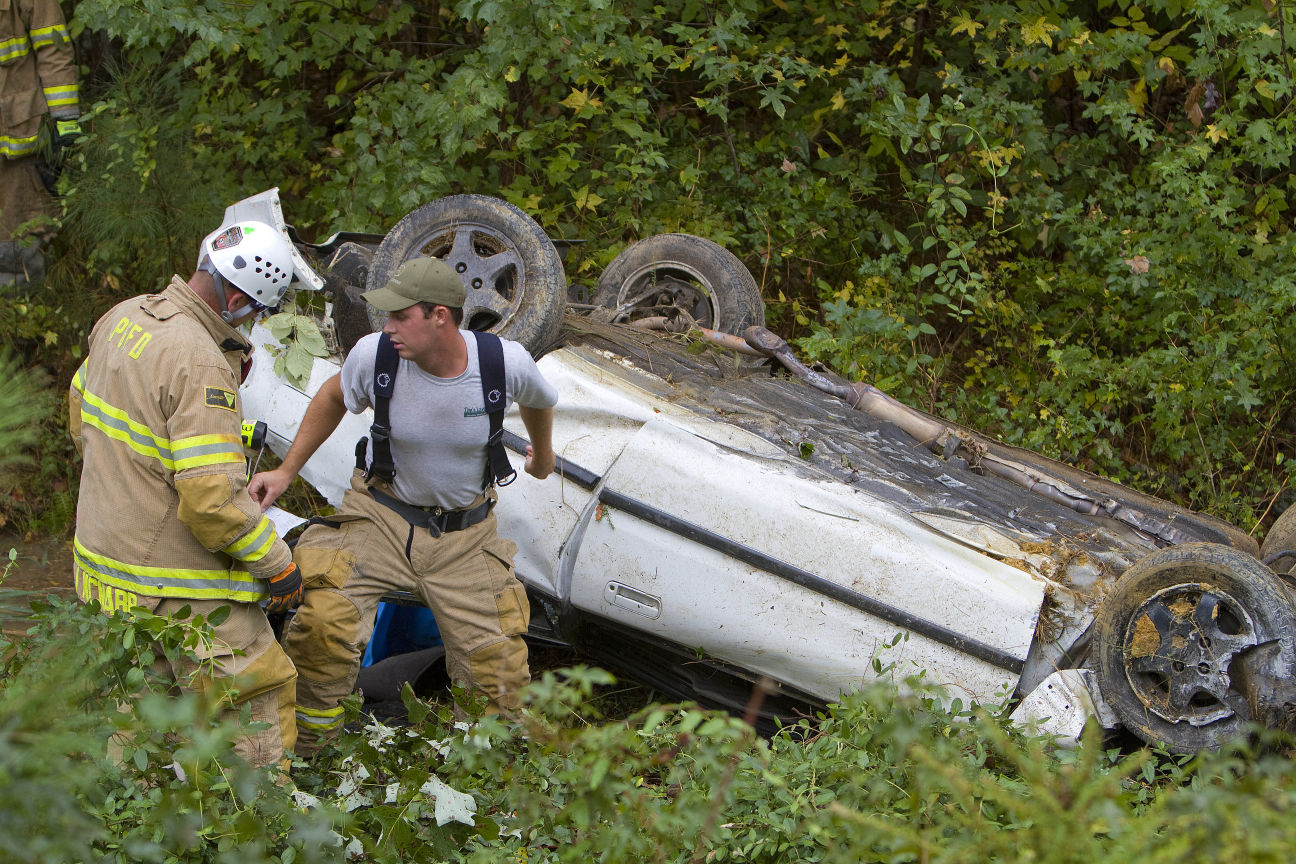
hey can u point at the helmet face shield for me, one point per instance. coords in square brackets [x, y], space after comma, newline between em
[254, 258]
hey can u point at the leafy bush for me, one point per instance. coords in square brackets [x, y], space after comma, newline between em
[18, 391]
[103, 762]
[98, 764]
[27, 411]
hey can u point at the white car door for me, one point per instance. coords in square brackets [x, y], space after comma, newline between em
[711, 538]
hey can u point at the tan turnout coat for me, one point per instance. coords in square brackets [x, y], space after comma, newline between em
[164, 509]
[37, 72]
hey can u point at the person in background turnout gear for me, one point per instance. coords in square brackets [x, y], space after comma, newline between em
[429, 530]
[164, 519]
[37, 76]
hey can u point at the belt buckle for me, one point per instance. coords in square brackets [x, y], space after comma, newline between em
[435, 523]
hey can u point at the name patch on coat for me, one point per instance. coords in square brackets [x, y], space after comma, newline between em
[218, 398]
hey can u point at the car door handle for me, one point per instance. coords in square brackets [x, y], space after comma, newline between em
[619, 594]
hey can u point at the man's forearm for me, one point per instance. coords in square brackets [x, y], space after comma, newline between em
[540, 459]
[539, 426]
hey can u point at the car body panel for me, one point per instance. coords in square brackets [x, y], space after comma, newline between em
[761, 620]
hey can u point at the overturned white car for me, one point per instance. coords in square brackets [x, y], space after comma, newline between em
[717, 522]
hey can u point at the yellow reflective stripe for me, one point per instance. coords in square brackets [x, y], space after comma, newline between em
[11, 48]
[10, 146]
[170, 581]
[263, 536]
[217, 449]
[61, 97]
[78, 380]
[43, 37]
[192, 452]
[115, 423]
[313, 718]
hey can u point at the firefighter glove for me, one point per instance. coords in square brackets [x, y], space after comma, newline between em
[285, 590]
[69, 132]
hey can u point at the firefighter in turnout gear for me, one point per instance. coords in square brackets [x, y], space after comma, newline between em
[164, 519]
[37, 77]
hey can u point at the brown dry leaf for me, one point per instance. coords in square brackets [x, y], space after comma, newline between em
[1192, 104]
[1138, 264]
[788, 167]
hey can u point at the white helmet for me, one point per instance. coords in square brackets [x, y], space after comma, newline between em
[254, 258]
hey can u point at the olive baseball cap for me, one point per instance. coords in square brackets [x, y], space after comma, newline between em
[419, 280]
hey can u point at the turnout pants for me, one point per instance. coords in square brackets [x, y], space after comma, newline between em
[464, 577]
[248, 667]
[23, 198]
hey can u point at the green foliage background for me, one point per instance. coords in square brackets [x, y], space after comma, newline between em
[1067, 224]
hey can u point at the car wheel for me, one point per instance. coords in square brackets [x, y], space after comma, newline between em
[668, 272]
[1177, 642]
[514, 276]
[1281, 538]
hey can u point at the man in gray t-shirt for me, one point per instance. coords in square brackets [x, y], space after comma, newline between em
[441, 418]
[380, 539]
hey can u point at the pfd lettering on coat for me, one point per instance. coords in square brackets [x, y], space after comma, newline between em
[126, 332]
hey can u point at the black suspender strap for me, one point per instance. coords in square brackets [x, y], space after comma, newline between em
[385, 362]
[490, 359]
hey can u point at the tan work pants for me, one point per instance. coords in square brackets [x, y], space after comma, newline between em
[464, 577]
[244, 665]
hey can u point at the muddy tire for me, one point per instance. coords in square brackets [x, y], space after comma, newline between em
[669, 272]
[1181, 640]
[514, 276]
[1281, 538]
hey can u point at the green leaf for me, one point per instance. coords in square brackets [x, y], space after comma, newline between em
[299, 364]
[415, 709]
[599, 771]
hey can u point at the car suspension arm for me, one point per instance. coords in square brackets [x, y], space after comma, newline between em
[705, 334]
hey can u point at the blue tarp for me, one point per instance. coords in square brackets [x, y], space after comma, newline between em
[399, 629]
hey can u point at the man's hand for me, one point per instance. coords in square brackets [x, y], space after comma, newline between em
[285, 590]
[266, 486]
[542, 466]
